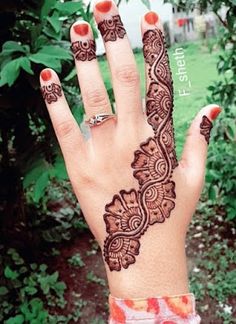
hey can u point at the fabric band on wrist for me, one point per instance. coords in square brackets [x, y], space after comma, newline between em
[159, 310]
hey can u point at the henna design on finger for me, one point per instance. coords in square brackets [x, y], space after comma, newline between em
[84, 50]
[112, 29]
[51, 92]
[130, 213]
[205, 128]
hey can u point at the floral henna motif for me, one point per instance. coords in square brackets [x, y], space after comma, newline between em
[205, 128]
[51, 92]
[130, 214]
[112, 29]
[122, 251]
[84, 50]
[124, 213]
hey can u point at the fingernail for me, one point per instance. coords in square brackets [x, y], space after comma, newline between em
[215, 112]
[81, 29]
[104, 6]
[46, 75]
[151, 18]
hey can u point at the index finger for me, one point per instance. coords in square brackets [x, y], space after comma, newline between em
[66, 128]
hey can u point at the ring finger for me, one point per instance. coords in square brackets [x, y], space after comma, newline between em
[94, 94]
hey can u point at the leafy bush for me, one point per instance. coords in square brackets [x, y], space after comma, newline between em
[37, 206]
[76, 260]
[221, 175]
[39, 37]
[25, 288]
[213, 277]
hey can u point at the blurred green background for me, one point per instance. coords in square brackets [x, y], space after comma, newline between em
[51, 267]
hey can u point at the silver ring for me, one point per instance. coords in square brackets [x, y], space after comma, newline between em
[99, 119]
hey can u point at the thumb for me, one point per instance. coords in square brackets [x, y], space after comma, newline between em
[195, 149]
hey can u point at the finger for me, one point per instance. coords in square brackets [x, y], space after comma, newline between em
[94, 94]
[195, 149]
[124, 72]
[159, 98]
[64, 124]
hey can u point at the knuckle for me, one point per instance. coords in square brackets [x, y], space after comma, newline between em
[96, 99]
[128, 74]
[64, 129]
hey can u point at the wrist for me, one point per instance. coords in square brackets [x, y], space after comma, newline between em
[160, 270]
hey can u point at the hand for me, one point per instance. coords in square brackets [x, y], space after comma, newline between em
[137, 199]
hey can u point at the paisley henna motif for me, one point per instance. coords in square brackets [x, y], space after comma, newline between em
[84, 50]
[51, 92]
[112, 29]
[130, 214]
[205, 128]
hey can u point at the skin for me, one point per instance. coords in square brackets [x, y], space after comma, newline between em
[101, 166]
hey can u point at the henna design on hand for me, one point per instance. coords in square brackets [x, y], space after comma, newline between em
[205, 128]
[112, 29]
[84, 50]
[51, 92]
[130, 214]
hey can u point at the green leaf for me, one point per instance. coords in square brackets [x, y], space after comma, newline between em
[46, 8]
[3, 290]
[212, 193]
[10, 274]
[10, 73]
[78, 113]
[231, 214]
[18, 319]
[41, 41]
[11, 70]
[231, 130]
[60, 287]
[10, 47]
[147, 4]
[33, 173]
[40, 187]
[71, 75]
[50, 56]
[55, 22]
[25, 64]
[43, 267]
[50, 33]
[48, 282]
[36, 303]
[31, 290]
[60, 169]
[54, 277]
[68, 8]
[33, 266]
[56, 52]
[46, 60]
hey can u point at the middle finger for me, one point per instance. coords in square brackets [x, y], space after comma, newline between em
[124, 72]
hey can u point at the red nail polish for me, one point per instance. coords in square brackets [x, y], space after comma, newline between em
[104, 6]
[151, 18]
[81, 29]
[215, 112]
[46, 75]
